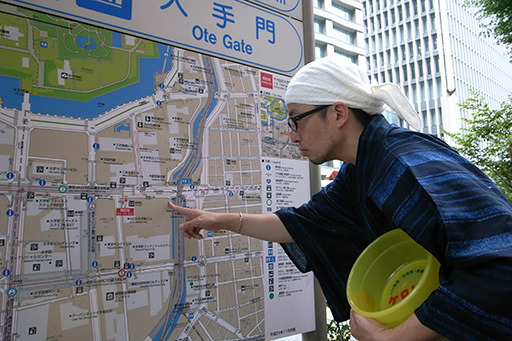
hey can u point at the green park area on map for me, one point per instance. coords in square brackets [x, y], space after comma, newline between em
[67, 59]
[272, 109]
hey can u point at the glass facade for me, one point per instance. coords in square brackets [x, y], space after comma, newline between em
[402, 39]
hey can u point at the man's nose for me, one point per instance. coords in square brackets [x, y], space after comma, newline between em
[294, 137]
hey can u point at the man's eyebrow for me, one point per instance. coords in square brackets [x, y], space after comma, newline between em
[292, 113]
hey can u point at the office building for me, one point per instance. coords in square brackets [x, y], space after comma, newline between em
[435, 50]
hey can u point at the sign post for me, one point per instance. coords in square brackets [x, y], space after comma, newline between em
[320, 332]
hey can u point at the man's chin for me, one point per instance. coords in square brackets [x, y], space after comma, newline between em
[315, 162]
[318, 160]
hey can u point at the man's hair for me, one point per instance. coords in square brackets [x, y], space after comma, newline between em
[361, 116]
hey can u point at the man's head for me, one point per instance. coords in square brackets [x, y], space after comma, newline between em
[323, 133]
[333, 79]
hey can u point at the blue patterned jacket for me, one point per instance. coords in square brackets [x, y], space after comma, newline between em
[415, 182]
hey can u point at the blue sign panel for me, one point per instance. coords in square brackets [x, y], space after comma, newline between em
[265, 33]
[117, 8]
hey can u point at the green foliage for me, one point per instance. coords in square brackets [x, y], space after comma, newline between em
[496, 17]
[338, 331]
[487, 140]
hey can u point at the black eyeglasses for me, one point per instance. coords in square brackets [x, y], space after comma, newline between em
[292, 121]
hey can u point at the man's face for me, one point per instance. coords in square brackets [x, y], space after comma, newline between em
[313, 135]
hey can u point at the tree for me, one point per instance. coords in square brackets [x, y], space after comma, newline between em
[487, 140]
[338, 331]
[496, 17]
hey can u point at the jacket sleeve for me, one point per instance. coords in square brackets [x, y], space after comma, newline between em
[328, 238]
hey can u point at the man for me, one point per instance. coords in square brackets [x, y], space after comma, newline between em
[391, 178]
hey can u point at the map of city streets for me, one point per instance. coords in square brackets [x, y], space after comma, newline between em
[98, 131]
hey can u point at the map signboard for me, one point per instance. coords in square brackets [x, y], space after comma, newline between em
[98, 131]
[258, 33]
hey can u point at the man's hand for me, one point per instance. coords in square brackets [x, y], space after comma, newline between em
[367, 329]
[195, 221]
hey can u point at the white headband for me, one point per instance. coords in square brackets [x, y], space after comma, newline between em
[333, 79]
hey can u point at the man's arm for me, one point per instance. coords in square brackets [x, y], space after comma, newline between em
[262, 226]
[367, 329]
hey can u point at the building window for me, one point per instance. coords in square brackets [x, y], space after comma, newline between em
[431, 89]
[344, 35]
[415, 8]
[433, 117]
[346, 56]
[372, 26]
[439, 86]
[441, 123]
[434, 42]
[318, 3]
[425, 120]
[319, 26]
[429, 67]
[320, 51]
[343, 12]
[422, 92]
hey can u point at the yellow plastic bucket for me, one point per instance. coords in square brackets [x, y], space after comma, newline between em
[392, 277]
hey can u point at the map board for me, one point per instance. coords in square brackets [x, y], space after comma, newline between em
[98, 131]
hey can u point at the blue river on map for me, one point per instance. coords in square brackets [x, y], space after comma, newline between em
[13, 98]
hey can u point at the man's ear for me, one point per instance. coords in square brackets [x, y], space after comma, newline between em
[342, 112]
